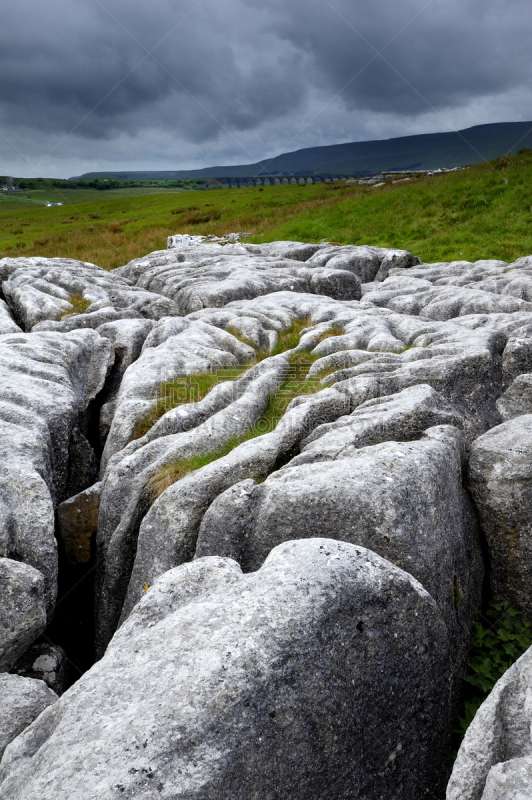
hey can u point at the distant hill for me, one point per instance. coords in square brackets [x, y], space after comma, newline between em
[425, 151]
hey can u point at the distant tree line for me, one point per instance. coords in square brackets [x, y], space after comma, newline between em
[104, 184]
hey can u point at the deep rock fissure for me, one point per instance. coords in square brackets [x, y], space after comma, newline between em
[72, 624]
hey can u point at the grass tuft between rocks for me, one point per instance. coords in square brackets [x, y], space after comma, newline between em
[294, 385]
[79, 305]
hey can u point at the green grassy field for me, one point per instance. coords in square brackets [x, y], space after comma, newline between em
[482, 212]
[29, 198]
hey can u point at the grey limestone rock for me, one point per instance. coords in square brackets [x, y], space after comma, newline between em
[22, 610]
[194, 282]
[41, 289]
[7, 323]
[44, 662]
[21, 702]
[511, 780]
[494, 760]
[500, 478]
[517, 399]
[48, 381]
[127, 337]
[128, 487]
[417, 296]
[197, 348]
[400, 417]
[464, 367]
[169, 532]
[323, 675]
[404, 501]
[517, 355]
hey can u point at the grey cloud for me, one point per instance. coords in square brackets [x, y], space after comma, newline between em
[438, 53]
[234, 80]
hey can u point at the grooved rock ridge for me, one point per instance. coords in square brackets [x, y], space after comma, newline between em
[288, 478]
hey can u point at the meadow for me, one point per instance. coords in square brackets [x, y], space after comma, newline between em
[484, 211]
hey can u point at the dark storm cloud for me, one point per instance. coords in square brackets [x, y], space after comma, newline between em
[210, 79]
[63, 60]
[408, 56]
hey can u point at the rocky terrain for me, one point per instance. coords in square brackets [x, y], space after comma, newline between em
[288, 476]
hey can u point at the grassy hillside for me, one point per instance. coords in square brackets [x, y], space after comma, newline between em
[423, 151]
[482, 212]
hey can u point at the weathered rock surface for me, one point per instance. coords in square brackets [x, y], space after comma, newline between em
[128, 488]
[22, 700]
[404, 501]
[500, 477]
[197, 348]
[398, 417]
[517, 399]
[77, 520]
[44, 662]
[127, 338]
[209, 275]
[168, 533]
[40, 290]
[419, 364]
[229, 685]
[494, 760]
[493, 276]
[417, 296]
[213, 282]
[7, 323]
[48, 381]
[517, 355]
[22, 609]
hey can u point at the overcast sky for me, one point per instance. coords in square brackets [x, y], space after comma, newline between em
[90, 85]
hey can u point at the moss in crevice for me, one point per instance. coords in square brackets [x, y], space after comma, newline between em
[294, 385]
[79, 304]
[193, 388]
[185, 389]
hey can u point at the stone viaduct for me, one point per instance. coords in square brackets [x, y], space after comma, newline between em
[276, 180]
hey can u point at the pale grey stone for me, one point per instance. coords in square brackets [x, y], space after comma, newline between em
[39, 289]
[323, 675]
[517, 356]
[517, 399]
[21, 702]
[400, 417]
[404, 501]
[510, 781]
[168, 533]
[48, 381]
[417, 296]
[7, 323]
[493, 761]
[198, 348]
[127, 490]
[127, 338]
[500, 479]
[203, 277]
[22, 609]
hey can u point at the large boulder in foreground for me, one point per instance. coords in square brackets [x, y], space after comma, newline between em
[402, 500]
[500, 476]
[22, 700]
[22, 609]
[495, 759]
[323, 675]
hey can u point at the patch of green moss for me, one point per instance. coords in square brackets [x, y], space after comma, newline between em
[79, 305]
